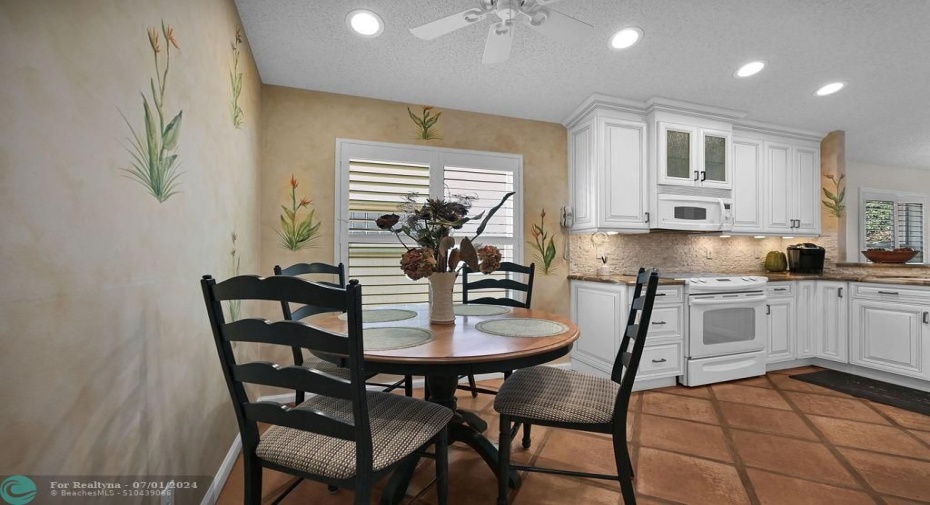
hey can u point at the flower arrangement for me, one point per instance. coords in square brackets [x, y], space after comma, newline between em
[430, 225]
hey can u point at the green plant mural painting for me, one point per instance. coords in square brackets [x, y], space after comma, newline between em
[234, 305]
[296, 233]
[235, 83]
[425, 123]
[155, 160]
[835, 200]
[543, 244]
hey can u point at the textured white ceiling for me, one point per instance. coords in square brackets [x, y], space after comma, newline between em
[690, 50]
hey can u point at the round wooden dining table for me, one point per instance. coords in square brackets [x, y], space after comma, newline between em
[456, 350]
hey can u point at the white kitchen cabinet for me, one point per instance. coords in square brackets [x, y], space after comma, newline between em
[748, 187]
[792, 182]
[890, 329]
[608, 174]
[601, 309]
[781, 321]
[689, 155]
[596, 309]
[808, 312]
[831, 322]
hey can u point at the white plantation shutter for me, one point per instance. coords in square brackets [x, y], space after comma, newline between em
[891, 220]
[372, 180]
[910, 228]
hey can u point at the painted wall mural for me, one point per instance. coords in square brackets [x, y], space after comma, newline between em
[835, 200]
[235, 83]
[425, 123]
[155, 160]
[544, 245]
[296, 234]
[234, 306]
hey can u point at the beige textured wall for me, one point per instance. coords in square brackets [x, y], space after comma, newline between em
[108, 361]
[299, 135]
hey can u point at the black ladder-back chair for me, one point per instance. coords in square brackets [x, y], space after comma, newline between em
[497, 284]
[320, 361]
[343, 435]
[568, 399]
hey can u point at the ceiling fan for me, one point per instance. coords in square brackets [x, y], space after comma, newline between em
[532, 13]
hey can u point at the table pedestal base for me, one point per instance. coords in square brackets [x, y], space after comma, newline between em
[465, 427]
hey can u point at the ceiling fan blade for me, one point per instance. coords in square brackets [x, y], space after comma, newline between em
[430, 31]
[560, 27]
[500, 39]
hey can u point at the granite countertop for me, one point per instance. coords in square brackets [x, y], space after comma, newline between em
[772, 277]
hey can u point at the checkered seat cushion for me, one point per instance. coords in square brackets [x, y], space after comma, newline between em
[399, 425]
[547, 393]
[329, 367]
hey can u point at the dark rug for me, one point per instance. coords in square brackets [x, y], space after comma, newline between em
[870, 389]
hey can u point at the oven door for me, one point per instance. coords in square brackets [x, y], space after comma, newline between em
[722, 324]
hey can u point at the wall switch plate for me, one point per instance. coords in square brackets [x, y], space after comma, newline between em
[708, 253]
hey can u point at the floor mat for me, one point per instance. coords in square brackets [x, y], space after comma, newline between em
[870, 389]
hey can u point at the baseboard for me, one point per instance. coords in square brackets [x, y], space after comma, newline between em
[222, 475]
[219, 480]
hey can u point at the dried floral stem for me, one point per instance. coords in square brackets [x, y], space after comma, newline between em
[834, 200]
[297, 234]
[235, 82]
[234, 305]
[425, 125]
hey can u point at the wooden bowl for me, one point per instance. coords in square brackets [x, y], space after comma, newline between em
[889, 256]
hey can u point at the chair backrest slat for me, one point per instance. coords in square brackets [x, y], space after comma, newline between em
[626, 363]
[306, 311]
[468, 286]
[289, 333]
[279, 289]
[300, 419]
[309, 380]
[631, 331]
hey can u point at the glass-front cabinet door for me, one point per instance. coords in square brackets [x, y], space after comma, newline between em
[715, 159]
[678, 154]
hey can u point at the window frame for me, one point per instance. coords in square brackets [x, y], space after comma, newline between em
[437, 158]
[898, 197]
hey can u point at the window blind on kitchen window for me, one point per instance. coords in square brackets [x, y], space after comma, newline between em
[893, 220]
[373, 179]
[910, 228]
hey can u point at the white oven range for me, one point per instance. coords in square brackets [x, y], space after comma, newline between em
[726, 328]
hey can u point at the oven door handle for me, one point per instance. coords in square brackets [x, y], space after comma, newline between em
[753, 300]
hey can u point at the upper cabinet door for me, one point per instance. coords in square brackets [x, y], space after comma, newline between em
[807, 171]
[677, 152]
[779, 180]
[715, 159]
[747, 185]
[623, 174]
[582, 165]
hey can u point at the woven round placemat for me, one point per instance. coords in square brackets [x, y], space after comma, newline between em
[462, 309]
[522, 327]
[383, 315]
[390, 338]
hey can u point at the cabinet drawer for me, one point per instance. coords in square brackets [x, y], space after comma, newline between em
[666, 321]
[660, 360]
[890, 292]
[776, 289]
[668, 294]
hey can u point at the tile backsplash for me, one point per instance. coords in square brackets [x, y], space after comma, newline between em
[682, 252]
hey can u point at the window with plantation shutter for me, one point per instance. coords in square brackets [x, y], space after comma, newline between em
[892, 220]
[372, 180]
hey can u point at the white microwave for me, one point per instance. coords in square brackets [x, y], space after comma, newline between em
[694, 213]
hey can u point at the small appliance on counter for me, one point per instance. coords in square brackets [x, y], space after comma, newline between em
[806, 258]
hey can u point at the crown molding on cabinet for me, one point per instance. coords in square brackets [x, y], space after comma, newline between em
[781, 131]
[693, 109]
[604, 102]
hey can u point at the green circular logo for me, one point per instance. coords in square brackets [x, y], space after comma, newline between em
[18, 490]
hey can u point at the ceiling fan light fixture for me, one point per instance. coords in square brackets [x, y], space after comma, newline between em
[365, 23]
[751, 68]
[829, 89]
[625, 38]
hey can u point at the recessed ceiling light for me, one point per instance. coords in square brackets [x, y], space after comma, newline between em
[626, 37]
[365, 23]
[829, 89]
[751, 68]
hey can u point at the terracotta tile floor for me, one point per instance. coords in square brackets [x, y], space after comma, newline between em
[767, 440]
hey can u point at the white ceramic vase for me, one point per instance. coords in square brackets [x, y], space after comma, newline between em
[440, 297]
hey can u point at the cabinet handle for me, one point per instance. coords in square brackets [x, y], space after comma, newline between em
[839, 292]
[647, 217]
[696, 173]
[659, 322]
[926, 317]
[661, 294]
[659, 360]
[703, 175]
[781, 289]
[887, 292]
[768, 309]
